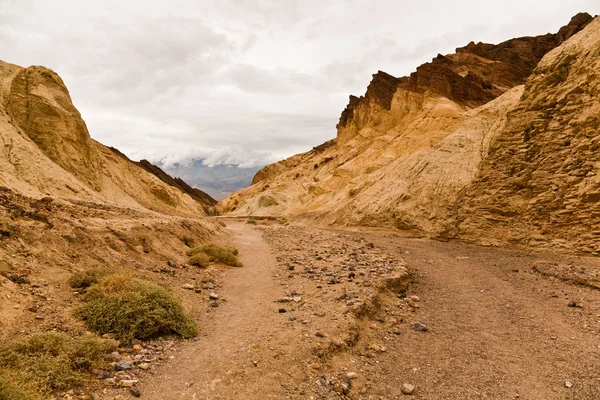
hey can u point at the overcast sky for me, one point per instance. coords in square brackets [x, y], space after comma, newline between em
[244, 82]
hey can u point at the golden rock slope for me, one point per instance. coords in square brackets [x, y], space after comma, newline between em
[432, 153]
[46, 150]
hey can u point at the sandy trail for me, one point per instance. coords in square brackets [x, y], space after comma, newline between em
[201, 369]
[495, 333]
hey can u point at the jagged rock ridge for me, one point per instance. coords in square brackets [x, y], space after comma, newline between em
[473, 76]
[194, 193]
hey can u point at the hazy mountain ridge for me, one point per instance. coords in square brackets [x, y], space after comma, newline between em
[425, 152]
[218, 181]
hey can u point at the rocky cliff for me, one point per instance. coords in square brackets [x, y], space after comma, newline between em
[46, 150]
[471, 145]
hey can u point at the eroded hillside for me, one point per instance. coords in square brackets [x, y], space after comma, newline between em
[457, 146]
[46, 150]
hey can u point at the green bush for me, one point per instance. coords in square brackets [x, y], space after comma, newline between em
[48, 362]
[199, 260]
[134, 308]
[224, 255]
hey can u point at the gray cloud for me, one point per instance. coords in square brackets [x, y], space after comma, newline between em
[243, 82]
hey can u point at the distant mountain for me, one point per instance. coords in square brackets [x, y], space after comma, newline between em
[218, 181]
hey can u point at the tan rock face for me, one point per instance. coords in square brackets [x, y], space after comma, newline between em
[41, 107]
[541, 180]
[519, 167]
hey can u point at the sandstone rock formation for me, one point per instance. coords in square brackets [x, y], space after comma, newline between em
[494, 143]
[46, 150]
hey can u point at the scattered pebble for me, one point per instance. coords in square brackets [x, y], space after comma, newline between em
[123, 366]
[408, 389]
[128, 382]
[419, 327]
[135, 391]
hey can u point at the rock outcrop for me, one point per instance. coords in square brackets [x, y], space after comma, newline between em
[494, 143]
[473, 76]
[41, 107]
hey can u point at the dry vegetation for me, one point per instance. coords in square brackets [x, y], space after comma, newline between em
[41, 364]
[131, 307]
[214, 253]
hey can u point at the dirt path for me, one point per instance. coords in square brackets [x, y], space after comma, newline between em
[219, 364]
[496, 329]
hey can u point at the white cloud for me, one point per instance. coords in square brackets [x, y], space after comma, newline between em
[246, 82]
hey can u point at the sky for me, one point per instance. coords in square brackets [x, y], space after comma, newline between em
[244, 82]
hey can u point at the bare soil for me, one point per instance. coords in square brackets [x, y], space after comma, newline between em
[496, 328]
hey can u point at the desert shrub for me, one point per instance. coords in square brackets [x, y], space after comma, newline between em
[224, 255]
[134, 308]
[48, 362]
[85, 279]
[9, 390]
[199, 260]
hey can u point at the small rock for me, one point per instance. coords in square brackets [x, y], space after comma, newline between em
[119, 397]
[122, 366]
[101, 375]
[568, 385]
[214, 304]
[144, 366]
[320, 334]
[291, 318]
[135, 391]
[408, 389]
[128, 383]
[110, 382]
[572, 303]
[419, 327]
[115, 356]
[198, 290]
[352, 375]
[213, 296]
[188, 286]
[282, 310]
